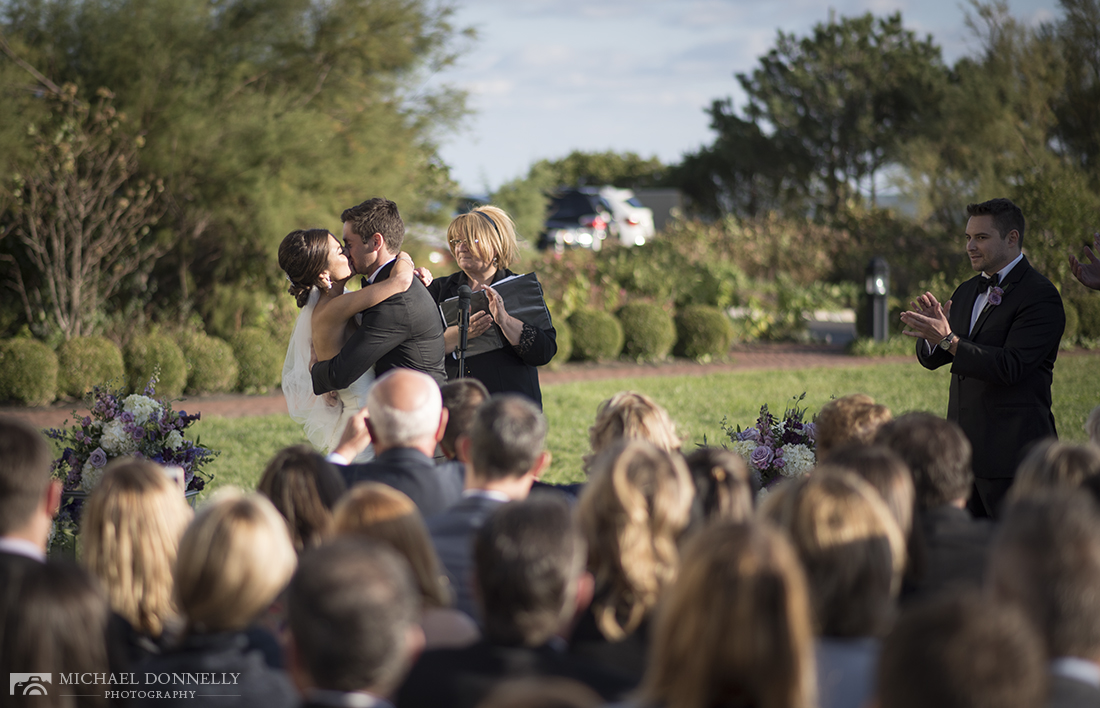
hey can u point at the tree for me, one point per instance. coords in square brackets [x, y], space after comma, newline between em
[834, 107]
[82, 216]
[1078, 107]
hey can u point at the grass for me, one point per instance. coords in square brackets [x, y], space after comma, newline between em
[697, 404]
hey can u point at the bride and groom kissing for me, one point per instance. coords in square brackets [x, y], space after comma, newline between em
[342, 340]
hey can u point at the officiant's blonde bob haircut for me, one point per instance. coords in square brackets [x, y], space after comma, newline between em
[488, 232]
[233, 561]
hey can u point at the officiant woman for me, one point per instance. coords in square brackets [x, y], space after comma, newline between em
[483, 242]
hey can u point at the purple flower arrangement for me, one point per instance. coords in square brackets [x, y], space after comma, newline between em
[776, 448]
[135, 425]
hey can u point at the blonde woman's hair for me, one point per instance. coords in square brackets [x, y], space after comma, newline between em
[734, 629]
[380, 512]
[851, 548]
[632, 416]
[1054, 465]
[632, 511]
[1092, 426]
[852, 418]
[488, 232]
[129, 533]
[233, 561]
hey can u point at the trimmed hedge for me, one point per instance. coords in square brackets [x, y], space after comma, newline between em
[86, 362]
[260, 358]
[148, 354]
[565, 343]
[1088, 308]
[28, 372]
[648, 331]
[597, 335]
[1073, 323]
[211, 365]
[703, 332]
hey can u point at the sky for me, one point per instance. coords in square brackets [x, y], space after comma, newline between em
[546, 77]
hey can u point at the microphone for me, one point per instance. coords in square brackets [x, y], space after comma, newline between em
[464, 294]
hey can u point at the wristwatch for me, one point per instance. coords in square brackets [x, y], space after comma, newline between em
[947, 341]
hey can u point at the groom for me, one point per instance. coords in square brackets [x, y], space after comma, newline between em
[405, 330]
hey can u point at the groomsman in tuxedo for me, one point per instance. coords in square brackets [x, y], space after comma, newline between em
[999, 332]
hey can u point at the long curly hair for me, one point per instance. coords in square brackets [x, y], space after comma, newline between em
[632, 511]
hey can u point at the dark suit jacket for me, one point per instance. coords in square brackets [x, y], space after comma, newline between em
[461, 678]
[955, 548]
[1002, 372]
[510, 369]
[433, 489]
[453, 534]
[13, 568]
[405, 330]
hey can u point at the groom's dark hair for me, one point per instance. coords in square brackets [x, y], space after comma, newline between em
[377, 216]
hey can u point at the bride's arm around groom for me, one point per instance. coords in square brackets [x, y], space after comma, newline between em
[406, 329]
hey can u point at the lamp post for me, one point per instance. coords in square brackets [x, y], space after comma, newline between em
[878, 285]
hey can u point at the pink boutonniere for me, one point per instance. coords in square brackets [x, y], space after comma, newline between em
[995, 295]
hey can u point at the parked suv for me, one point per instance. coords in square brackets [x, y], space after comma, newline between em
[633, 222]
[576, 218]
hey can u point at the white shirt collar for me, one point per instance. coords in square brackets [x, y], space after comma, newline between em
[1072, 667]
[21, 547]
[379, 270]
[486, 494]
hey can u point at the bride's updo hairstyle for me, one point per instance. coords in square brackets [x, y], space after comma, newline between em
[303, 255]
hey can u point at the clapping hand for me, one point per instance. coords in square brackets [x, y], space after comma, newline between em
[356, 436]
[512, 328]
[1088, 273]
[928, 318]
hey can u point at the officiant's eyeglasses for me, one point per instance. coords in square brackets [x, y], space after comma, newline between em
[455, 241]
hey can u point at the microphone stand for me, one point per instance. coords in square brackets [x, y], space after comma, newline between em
[464, 293]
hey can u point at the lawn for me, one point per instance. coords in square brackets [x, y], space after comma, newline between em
[697, 404]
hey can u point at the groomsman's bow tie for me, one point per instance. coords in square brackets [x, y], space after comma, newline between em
[986, 283]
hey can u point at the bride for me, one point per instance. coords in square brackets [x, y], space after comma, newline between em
[317, 268]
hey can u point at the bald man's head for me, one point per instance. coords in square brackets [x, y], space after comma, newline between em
[406, 410]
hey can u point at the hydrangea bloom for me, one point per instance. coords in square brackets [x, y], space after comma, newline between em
[142, 408]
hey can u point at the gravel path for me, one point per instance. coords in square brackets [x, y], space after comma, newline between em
[747, 358]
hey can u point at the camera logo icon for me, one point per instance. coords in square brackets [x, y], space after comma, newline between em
[36, 684]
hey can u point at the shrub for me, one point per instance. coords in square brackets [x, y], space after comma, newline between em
[155, 353]
[1088, 309]
[260, 358]
[28, 372]
[85, 362]
[648, 331]
[565, 343]
[596, 335]
[703, 332]
[211, 366]
[1073, 322]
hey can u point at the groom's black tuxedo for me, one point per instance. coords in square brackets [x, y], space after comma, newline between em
[402, 331]
[1002, 371]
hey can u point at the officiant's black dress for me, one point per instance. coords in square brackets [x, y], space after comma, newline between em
[510, 369]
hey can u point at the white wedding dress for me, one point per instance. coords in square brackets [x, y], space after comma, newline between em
[322, 420]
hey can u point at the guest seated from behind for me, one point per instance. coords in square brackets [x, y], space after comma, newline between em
[955, 544]
[961, 651]
[848, 419]
[29, 499]
[531, 582]
[58, 620]
[304, 488]
[723, 486]
[631, 513]
[854, 554]
[1046, 562]
[233, 561]
[1054, 465]
[353, 620]
[734, 629]
[379, 512]
[632, 416]
[129, 534]
[542, 692]
[406, 421]
[881, 467]
[505, 447]
[461, 398]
